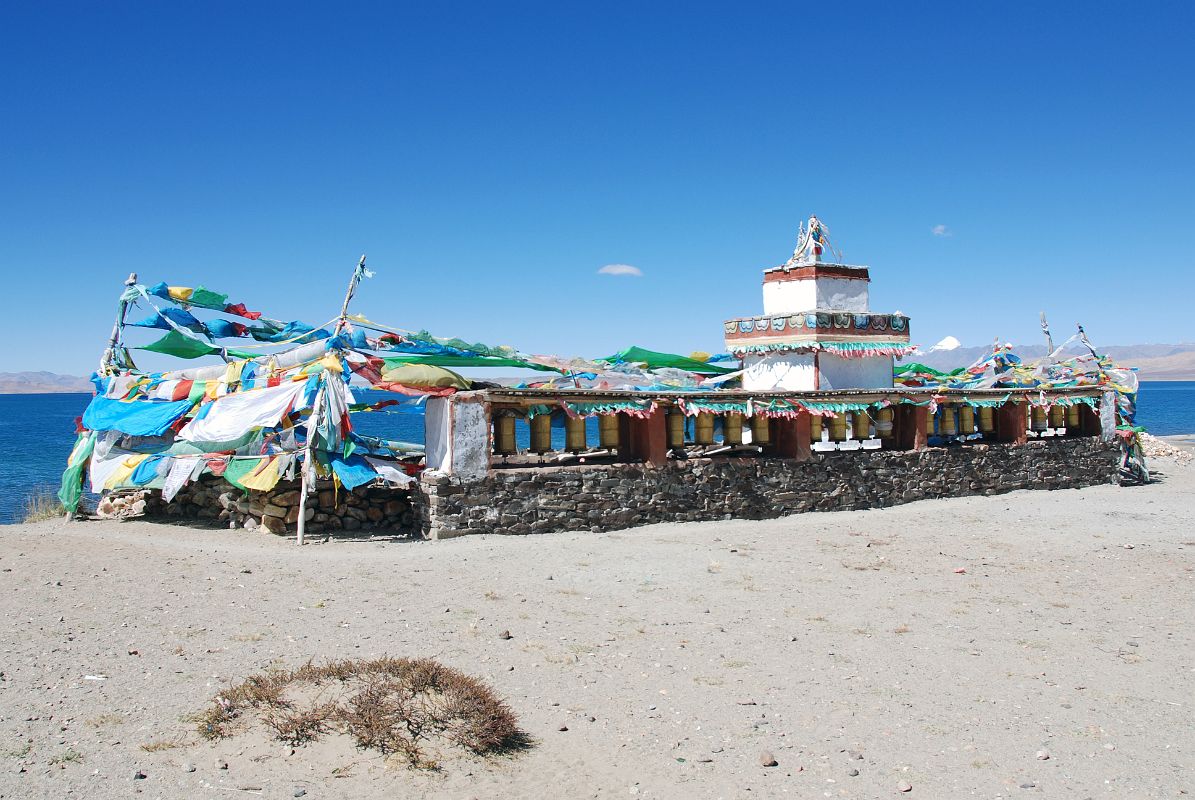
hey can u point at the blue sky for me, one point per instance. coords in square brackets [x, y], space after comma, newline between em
[491, 158]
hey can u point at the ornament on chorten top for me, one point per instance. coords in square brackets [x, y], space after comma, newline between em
[813, 241]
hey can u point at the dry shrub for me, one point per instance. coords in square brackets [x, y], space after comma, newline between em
[392, 705]
[42, 505]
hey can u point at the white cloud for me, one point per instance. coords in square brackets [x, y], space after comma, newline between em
[621, 269]
[941, 230]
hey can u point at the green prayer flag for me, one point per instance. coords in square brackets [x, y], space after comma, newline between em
[393, 362]
[238, 468]
[181, 345]
[653, 360]
[72, 479]
[206, 298]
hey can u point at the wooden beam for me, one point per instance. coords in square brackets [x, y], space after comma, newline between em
[648, 438]
[1011, 423]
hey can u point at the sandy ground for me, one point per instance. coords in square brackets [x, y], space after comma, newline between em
[848, 645]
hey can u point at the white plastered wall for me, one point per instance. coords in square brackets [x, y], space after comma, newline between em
[792, 372]
[836, 372]
[828, 294]
[457, 436]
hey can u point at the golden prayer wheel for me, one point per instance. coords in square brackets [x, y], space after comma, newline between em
[1072, 417]
[1037, 418]
[948, 425]
[608, 431]
[676, 429]
[987, 419]
[815, 428]
[838, 428]
[703, 429]
[541, 433]
[574, 434]
[860, 425]
[884, 423]
[966, 420]
[929, 423]
[1057, 417]
[504, 435]
[732, 428]
[761, 431]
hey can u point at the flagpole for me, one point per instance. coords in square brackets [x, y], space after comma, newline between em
[308, 482]
[118, 326]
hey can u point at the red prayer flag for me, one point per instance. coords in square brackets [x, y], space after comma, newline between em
[240, 310]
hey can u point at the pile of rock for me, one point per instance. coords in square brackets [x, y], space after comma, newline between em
[124, 505]
[1160, 448]
[367, 509]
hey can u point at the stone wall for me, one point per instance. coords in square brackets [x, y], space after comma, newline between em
[597, 498]
[212, 499]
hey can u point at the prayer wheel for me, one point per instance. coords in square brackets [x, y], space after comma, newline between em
[838, 428]
[815, 428]
[703, 429]
[608, 431]
[1072, 417]
[929, 423]
[966, 420]
[732, 428]
[761, 429]
[987, 419]
[884, 423]
[574, 434]
[860, 425]
[504, 435]
[1037, 418]
[947, 425]
[1057, 417]
[676, 429]
[541, 433]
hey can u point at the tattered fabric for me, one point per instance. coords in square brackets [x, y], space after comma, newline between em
[136, 417]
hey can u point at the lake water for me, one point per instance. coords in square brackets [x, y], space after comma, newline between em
[37, 433]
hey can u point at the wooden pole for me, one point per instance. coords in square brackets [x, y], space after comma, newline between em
[1045, 329]
[113, 340]
[308, 480]
[118, 326]
[348, 296]
[307, 483]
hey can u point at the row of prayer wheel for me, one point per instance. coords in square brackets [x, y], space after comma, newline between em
[948, 421]
[541, 433]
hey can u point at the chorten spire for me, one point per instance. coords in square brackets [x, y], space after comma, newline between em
[812, 242]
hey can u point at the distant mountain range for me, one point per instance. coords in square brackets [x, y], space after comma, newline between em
[1154, 362]
[41, 383]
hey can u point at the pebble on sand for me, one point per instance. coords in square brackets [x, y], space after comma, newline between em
[505, 635]
[766, 759]
[904, 786]
[1043, 755]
